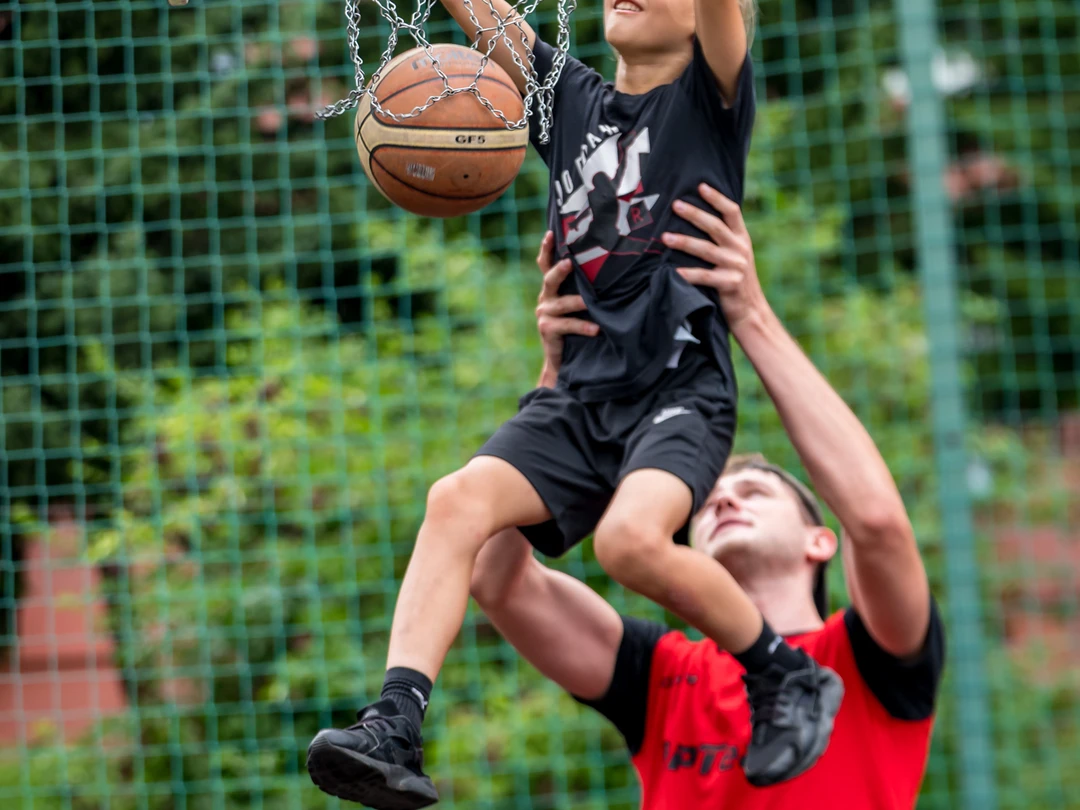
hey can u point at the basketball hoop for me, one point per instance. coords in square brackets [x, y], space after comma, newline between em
[540, 93]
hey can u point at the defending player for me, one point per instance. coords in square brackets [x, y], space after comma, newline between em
[678, 702]
[638, 429]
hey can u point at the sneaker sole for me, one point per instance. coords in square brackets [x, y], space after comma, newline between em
[354, 777]
[832, 695]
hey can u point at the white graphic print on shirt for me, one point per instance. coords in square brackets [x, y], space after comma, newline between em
[599, 214]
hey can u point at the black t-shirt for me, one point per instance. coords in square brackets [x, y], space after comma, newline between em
[906, 688]
[617, 164]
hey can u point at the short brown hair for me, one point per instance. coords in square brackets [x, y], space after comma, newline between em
[809, 507]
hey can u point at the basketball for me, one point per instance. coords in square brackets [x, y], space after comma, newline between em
[455, 157]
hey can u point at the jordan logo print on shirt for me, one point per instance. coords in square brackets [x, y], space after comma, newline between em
[599, 215]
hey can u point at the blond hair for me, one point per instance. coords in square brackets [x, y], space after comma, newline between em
[749, 15]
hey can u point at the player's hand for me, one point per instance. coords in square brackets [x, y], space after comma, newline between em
[552, 309]
[733, 274]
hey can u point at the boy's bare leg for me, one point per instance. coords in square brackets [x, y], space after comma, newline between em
[793, 701]
[463, 511]
[379, 761]
[634, 545]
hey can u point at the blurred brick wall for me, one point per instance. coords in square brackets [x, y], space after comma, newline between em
[61, 676]
[1041, 596]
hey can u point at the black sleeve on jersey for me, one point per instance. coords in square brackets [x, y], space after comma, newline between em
[735, 122]
[906, 687]
[543, 56]
[575, 79]
[626, 701]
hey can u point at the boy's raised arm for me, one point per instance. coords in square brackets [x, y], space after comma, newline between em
[479, 12]
[721, 31]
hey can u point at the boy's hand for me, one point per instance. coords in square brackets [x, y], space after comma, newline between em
[552, 309]
[733, 275]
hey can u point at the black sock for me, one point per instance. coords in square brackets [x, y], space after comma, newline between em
[409, 690]
[769, 649]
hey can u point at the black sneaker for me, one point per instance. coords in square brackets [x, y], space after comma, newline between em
[792, 717]
[378, 762]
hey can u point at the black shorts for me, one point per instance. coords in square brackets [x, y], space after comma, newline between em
[575, 453]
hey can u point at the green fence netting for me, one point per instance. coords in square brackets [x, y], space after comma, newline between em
[229, 371]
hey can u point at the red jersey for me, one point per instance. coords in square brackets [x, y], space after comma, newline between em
[689, 746]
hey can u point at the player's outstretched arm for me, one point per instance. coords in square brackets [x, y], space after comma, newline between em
[887, 580]
[721, 30]
[484, 12]
[557, 623]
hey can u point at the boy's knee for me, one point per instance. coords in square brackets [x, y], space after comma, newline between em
[626, 549]
[458, 501]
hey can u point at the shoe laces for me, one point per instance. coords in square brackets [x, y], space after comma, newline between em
[375, 722]
[764, 694]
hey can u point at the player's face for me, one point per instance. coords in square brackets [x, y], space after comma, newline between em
[638, 28]
[752, 520]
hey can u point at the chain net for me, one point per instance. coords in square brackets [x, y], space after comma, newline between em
[507, 30]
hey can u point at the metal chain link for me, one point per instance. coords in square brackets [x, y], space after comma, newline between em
[542, 93]
[352, 29]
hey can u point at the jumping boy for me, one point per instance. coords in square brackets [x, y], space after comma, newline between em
[630, 441]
